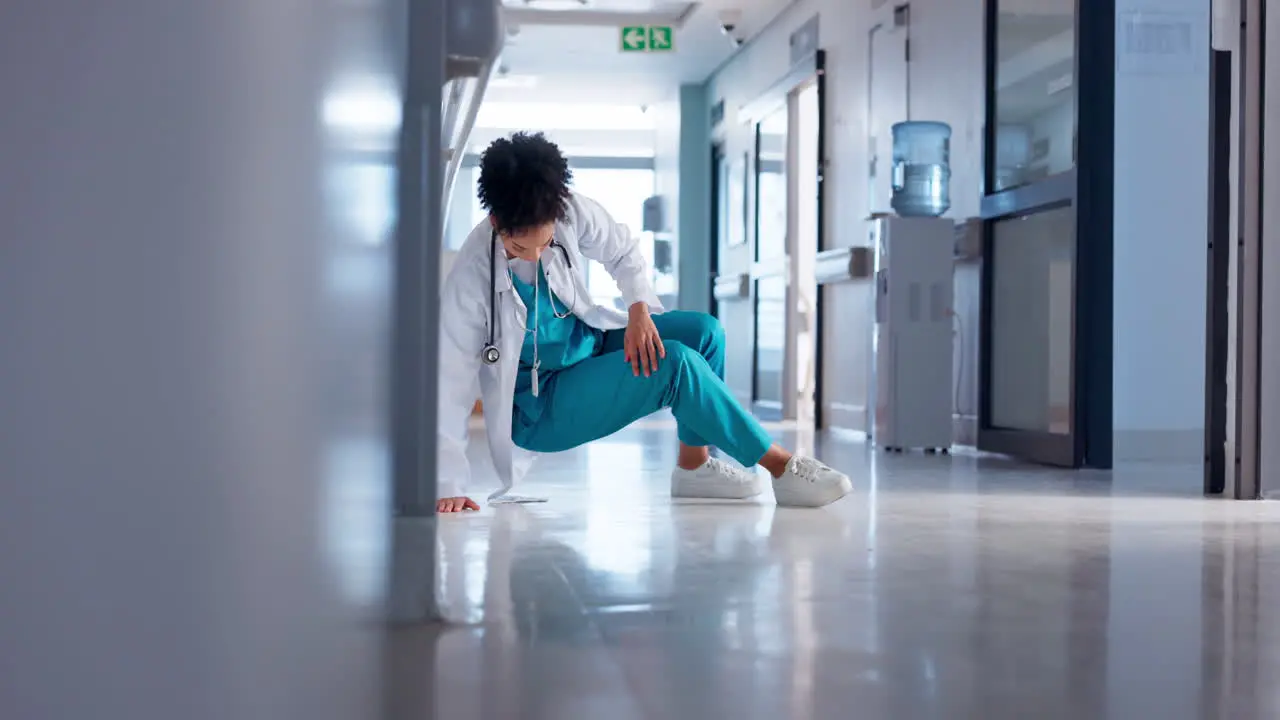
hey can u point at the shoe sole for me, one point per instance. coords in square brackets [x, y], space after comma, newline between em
[787, 497]
[711, 490]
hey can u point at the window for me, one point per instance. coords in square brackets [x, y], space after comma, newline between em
[477, 210]
[465, 212]
[1035, 92]
[771, 186]
[622, 192]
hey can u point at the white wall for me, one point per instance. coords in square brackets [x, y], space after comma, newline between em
[1161, 222]
[946, 85]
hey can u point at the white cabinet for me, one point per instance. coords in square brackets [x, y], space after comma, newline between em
[913, 352]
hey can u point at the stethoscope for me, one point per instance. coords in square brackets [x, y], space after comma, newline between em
[490, 354]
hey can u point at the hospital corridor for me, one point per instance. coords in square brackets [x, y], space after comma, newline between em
[974, 588]
[639, 359]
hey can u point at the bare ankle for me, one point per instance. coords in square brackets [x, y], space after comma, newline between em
[775, 461]
[692, 458]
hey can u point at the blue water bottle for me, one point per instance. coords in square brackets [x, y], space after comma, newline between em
[921, 168]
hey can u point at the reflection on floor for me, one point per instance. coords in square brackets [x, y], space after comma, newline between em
[946, 587]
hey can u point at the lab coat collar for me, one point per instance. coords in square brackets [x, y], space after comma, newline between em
[502, 269]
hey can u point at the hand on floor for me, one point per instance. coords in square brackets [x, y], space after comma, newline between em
[455, 504]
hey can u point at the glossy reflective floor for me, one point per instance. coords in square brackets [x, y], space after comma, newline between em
[946, 587]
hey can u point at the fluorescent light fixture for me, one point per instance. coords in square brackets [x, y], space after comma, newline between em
[556, 4]
[670, 8]
[563, 116]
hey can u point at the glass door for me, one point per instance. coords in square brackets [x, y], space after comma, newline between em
[1046, 282]
[771, 262]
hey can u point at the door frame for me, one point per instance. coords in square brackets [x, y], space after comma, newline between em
[820, 80]
[890, 17]
[1268, 269]
[718, 156]
[809, 69]
[761, 270]
[1217, 319]
[1255, 382]
[1088, 187]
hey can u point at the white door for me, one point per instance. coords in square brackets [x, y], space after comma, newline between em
[888, 103]
[887, 100]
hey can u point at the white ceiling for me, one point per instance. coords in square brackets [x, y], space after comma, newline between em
[578, 63]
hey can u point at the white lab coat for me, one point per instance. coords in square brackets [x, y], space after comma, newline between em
[587, 232]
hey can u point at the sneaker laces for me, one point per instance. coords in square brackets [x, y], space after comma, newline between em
[722, 468]
[806, 469]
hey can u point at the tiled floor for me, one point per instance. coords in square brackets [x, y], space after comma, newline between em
[946, 587]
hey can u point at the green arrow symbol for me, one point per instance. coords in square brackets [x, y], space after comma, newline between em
[633, 38]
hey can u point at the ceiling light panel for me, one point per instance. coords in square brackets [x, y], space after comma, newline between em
[617, 6]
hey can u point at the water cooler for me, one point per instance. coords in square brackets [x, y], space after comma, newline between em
[913, 340]
[914, 295]
[921, 168]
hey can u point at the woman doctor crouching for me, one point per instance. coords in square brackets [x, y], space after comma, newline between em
[517, 319]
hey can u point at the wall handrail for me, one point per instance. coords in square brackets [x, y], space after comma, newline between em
[732, 287]
[844, 264]
[474, 39]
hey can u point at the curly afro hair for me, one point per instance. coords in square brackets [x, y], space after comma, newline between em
[524, 182]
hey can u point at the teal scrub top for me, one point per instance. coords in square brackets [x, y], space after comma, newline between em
[562, 342]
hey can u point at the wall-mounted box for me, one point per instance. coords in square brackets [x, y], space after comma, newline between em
[655, 214]
[969, 240]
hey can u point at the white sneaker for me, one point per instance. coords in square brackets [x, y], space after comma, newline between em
[716, 479]
[809, 483]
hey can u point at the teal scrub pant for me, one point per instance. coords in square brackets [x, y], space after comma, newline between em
[600, 395]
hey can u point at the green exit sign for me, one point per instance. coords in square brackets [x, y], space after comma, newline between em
[647, 38]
